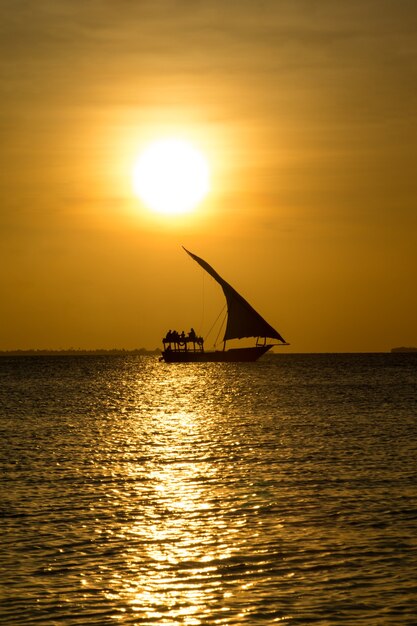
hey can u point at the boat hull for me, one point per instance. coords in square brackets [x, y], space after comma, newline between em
[234, 355]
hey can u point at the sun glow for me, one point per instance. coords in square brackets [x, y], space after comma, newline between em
[171, 176]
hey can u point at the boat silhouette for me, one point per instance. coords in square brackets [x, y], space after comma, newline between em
[242, 321]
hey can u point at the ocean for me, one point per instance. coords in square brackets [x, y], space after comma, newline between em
[136, 492]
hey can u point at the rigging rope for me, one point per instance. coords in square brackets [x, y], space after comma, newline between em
[215, 322]
[221, 325]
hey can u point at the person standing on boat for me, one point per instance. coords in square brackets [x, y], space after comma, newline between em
[174, 338]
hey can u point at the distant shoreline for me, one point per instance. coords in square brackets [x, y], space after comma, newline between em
[78, 352]
[404, 349]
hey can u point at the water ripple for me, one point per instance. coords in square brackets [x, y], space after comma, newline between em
[139, 493]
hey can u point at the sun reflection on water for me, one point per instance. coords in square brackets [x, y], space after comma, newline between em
[197, 544]
[182, 535]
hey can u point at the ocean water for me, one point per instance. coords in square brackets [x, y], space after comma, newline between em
[135, 492]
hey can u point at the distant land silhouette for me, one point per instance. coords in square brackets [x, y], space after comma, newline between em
[78, 352]
[403, 349]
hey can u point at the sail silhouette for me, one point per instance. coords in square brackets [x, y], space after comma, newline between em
[242, 319]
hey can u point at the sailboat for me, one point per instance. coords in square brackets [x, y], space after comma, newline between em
[242, 321]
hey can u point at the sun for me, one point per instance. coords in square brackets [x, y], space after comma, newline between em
[171, 176]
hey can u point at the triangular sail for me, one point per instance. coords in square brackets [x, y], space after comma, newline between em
[243, 320]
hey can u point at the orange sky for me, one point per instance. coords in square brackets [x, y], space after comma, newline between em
[307, 112]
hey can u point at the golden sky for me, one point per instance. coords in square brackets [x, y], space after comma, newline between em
[307, 113]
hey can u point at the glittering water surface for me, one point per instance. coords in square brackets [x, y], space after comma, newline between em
[135, 492]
